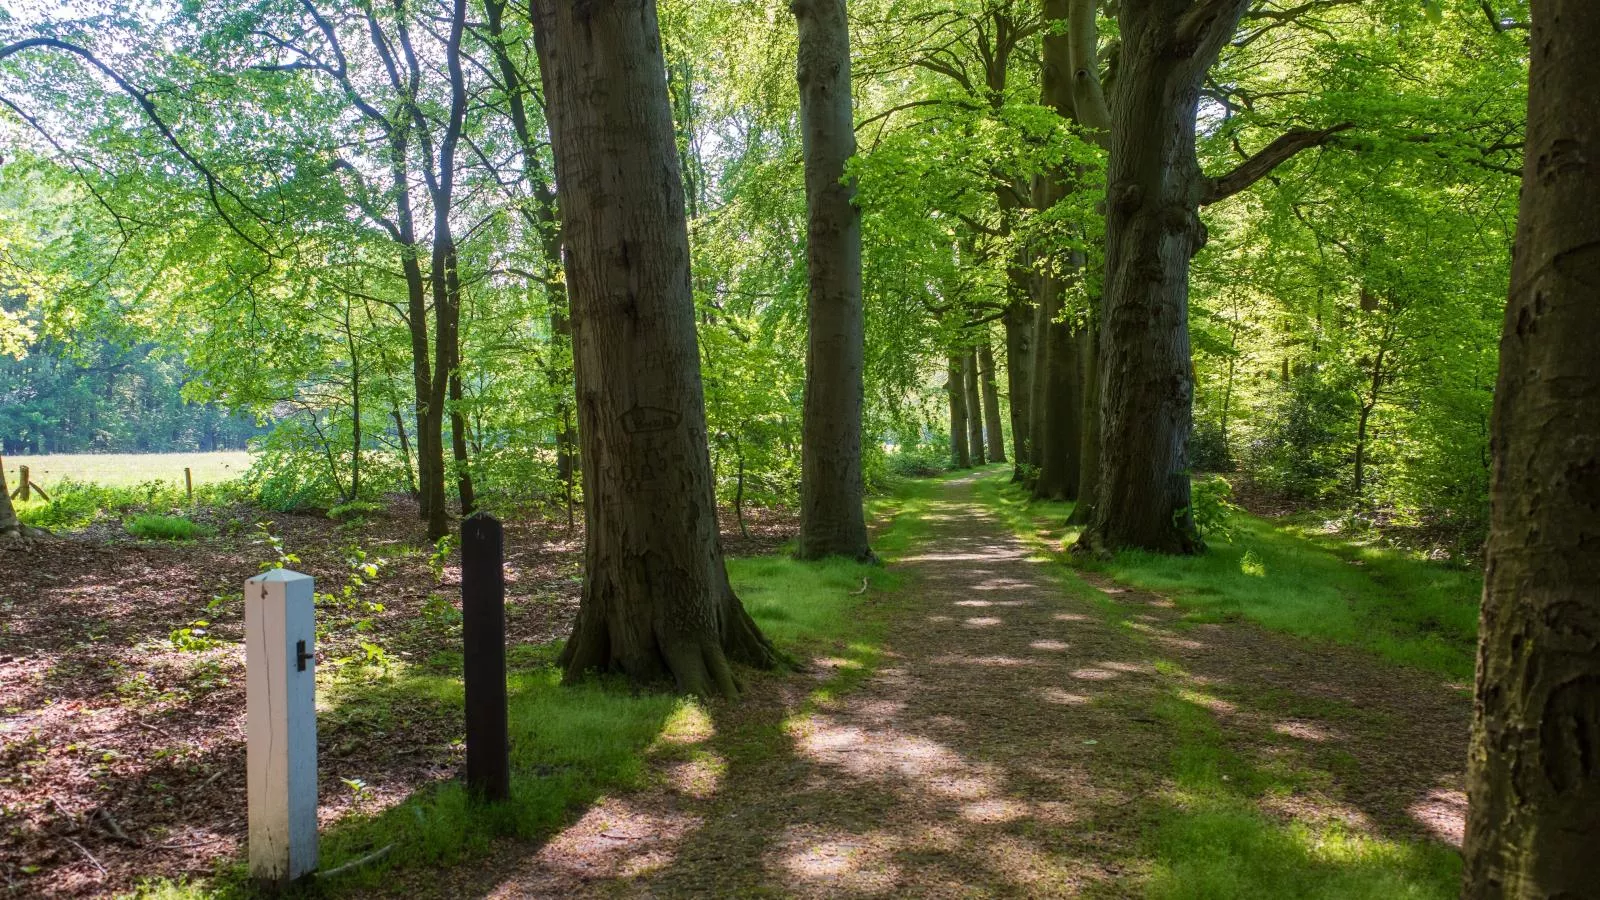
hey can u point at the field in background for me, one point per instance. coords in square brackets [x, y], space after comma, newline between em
[124, 469]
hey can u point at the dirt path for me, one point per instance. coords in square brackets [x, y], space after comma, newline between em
[1010, 743]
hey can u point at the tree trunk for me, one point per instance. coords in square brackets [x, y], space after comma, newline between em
[955, 389]
[969, 383]
[1152, 231]
[1056, 415]
[430, 437]
[1089, 437]
[656, 601]
[1534, 766]
[9, 525]
[355, 406]
[1368, 404]
[446, 279]
[831, 519]
[405, 451]
[1060, 408]
[1038, 387]
[1059, 440]
[1020, 348]
[991, 403]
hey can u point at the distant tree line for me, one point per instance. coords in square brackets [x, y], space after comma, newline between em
[108, 399]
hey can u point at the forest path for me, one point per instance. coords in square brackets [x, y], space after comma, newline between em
[1022, 735]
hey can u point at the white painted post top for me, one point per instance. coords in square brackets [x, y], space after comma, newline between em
[276, 575]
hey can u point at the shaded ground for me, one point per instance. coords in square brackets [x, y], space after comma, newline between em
[122, 743]
[1018, 737]
[1019, 732]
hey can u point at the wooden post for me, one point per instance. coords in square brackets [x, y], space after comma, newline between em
[188, 483]
[280, 692]
[25, 487]
[483, 628]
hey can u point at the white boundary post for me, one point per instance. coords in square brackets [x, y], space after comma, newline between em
[280, 690]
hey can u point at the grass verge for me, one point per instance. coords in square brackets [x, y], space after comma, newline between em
[1211, 841]
[1209, 836]
[1405, 609]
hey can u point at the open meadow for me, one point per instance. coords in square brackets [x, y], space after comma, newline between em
[126, 469]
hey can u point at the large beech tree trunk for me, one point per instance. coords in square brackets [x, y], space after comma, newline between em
[1153, 229]
[969, 382]
[955, 390]
[831, 519]
[656, 602]
[1533, 822]
[991, 402]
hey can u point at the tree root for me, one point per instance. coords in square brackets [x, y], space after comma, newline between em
[22, 536]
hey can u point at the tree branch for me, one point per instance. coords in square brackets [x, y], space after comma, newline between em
[214, 185]
[1263, 162]
[1500, 23]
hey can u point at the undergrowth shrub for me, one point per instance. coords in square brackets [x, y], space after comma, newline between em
[166, 528]
[1211, 500]
[77, 504]
[917, 461]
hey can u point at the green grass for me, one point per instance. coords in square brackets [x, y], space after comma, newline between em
[1212, 842]
[128, 469]
[165, 528]
[1403, 608]
[573, 744]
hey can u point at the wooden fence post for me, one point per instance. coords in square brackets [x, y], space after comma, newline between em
[483, 631]
[25, 487]
[188, 484]
[280, 699]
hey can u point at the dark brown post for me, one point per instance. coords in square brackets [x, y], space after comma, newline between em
[483, 612]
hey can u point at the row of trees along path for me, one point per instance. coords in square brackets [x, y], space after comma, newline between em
[656, 602]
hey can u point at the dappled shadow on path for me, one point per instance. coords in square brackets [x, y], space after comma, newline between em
[1014, 739]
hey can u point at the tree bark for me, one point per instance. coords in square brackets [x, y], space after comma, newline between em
[1089, 436]
[445, 392]
[1061, 406]
[991, 402]
[832, 522]
[956, 392]
[1020, 349]
[969, 383]
[1056, 417]
[1534, 766]
[1152, 231]
[1059, 442]
[1038, 386]
[656, 601]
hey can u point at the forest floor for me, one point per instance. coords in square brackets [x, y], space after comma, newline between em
[122, 685]
[1022, 731]
[983, 721]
